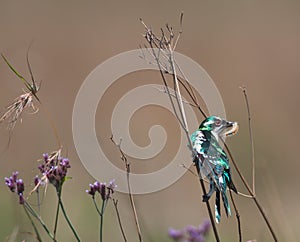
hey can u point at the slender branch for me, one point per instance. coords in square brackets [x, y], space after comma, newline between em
[115, 202]
[183, 116]
[167, 44]
[244, 181]
[127, 166]
[177, 92]
[238, 217]
[259, 206]
[164, 44]
[180, 31]
[251, 138]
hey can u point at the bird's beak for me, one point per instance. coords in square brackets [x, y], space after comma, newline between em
[232, 128]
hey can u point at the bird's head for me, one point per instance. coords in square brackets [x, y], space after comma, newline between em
[219, 127]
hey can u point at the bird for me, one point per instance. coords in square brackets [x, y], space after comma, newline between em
[212, 161]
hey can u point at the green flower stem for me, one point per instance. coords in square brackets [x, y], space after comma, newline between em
[33, 225]
[101, 219]
[56, 220]
[33, 212]
[98, 211]
[101, 214]
[67, 218]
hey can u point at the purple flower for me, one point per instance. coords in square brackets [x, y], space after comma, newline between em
[112, 185]
[16, 185]
[10, 183]
[20, 186]
[92, 190]
[97, 186]
[176, 234]
[55, 168]
[15, 175]
[46, 157]
[190, 233]
[205, 226]
[104, 190]
[36, 181]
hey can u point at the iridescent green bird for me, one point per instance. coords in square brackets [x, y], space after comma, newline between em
[211, 160]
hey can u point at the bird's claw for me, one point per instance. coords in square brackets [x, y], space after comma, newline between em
[205, 198]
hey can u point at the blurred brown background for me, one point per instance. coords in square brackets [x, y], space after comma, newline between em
[239, 43]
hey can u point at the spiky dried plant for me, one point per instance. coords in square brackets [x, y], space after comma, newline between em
[14, 111]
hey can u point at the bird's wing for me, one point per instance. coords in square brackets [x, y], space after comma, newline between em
[216, 154]
[201, 144]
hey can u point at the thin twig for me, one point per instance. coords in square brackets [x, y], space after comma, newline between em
[189, 170]
[251, 138]
[162, 44]
[180, 31]
[166, 44]
[127, 166]
[238, 217]
[163, 90]
[115, 202]
[244, 181]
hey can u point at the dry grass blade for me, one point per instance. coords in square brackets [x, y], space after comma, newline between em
[32, 87]
[14, 111]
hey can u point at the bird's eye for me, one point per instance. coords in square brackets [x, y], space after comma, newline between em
[218, 122]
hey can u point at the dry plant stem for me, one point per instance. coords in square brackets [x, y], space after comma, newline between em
[248, 188]
[161, 44]
[127, 165]
[133, 208]
[115, 202]
[182, 118]
[251, 138]
[238, 217]
[185, 127]
[190, 145]
[260, 208]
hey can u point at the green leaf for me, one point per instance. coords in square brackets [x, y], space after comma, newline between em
[27, 84]
[33, 88]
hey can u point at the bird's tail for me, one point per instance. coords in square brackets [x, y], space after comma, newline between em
[226, 203]
[217, 207]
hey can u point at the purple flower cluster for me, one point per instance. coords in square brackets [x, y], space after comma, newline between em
[55, 168]
[16, 185]
[190, 233]
[104, 190]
